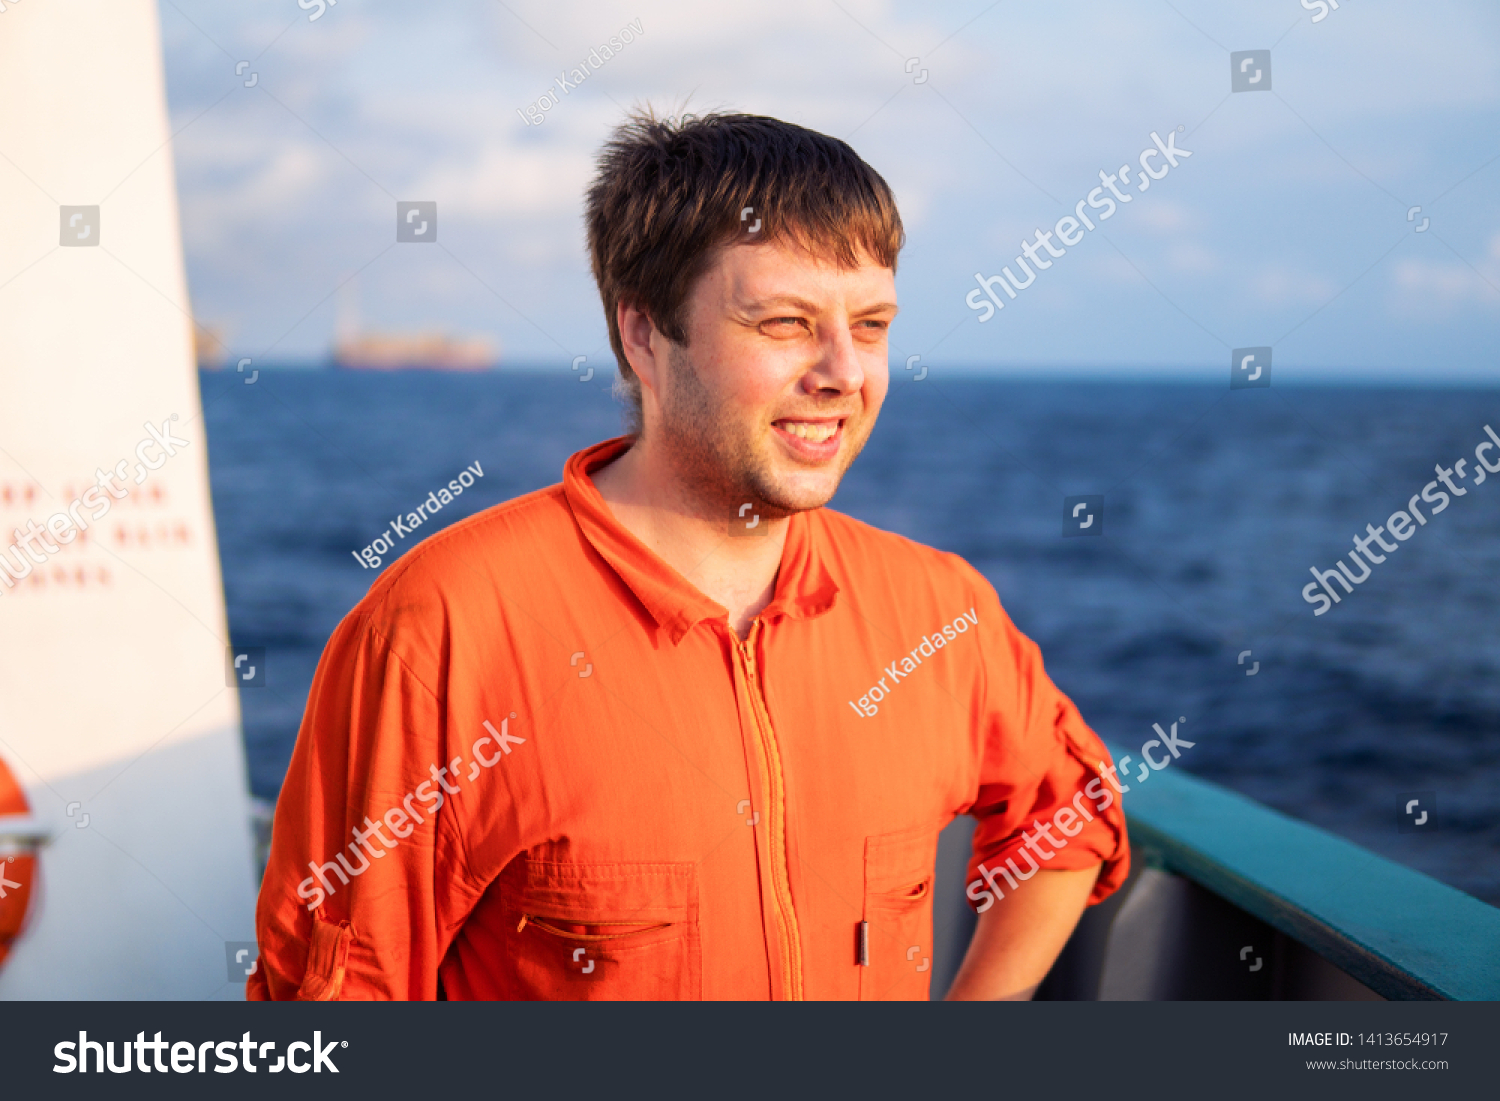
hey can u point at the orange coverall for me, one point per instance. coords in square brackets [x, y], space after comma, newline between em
[537, 763]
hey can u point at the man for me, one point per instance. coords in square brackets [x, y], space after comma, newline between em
[672, 729]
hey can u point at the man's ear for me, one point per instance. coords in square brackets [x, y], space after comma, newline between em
[644, 344]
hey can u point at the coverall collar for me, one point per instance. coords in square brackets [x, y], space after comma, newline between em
[804, 587]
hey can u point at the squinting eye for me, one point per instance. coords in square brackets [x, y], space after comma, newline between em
[785, 324]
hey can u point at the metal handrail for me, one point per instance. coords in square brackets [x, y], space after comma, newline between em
[1401, 933]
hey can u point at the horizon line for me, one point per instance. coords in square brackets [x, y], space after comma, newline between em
[1030, 372]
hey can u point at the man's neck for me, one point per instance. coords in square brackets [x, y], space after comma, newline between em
[648, 498]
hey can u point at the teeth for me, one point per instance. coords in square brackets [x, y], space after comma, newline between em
[816, 433]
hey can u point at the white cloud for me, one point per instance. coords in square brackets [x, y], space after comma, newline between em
[1165, 216]
[1423, 289]
[1192, 257]
[424, 101]
[1283, 286]
[506, 179]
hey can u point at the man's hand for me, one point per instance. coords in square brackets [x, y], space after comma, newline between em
[1019, 937]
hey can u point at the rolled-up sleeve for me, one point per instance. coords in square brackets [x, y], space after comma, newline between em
[342, 915]
[1043, 802]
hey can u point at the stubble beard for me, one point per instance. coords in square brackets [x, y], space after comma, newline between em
[716, 456]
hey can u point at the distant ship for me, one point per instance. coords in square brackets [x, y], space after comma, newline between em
[401, 351]
[209, 348]
[394, 351]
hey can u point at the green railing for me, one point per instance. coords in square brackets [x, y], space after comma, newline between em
[1401, 933]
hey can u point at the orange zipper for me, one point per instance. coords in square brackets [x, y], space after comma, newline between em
[770, 758]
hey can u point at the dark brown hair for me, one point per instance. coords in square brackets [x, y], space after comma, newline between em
[668, 192]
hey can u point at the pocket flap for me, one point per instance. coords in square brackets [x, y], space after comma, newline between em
[897, 862]
[589, 893]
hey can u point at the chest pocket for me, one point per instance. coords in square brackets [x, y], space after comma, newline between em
[894, 946]
[601, 932]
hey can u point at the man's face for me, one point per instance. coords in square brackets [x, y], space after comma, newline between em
[782, 378]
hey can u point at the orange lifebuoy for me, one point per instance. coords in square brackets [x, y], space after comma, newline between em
[19, 841]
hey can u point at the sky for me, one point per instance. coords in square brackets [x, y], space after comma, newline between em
[1290, 226]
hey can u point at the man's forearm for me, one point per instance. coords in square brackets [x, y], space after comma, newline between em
[1018, 939]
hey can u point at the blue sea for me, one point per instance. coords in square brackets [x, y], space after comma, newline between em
[1216, 503]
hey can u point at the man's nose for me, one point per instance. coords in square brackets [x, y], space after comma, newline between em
[838, 367]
